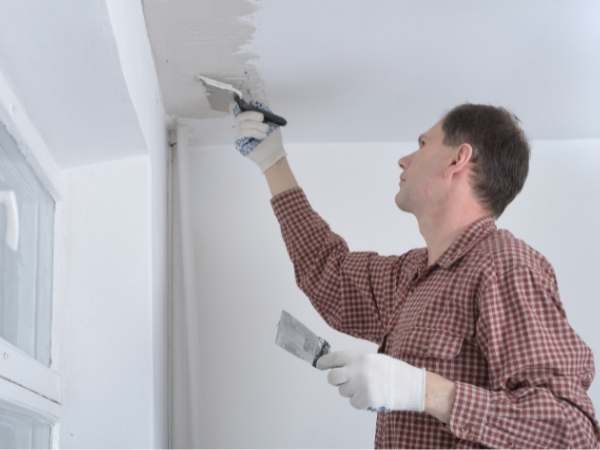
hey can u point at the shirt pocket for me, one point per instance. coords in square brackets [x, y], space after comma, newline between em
[430, 343]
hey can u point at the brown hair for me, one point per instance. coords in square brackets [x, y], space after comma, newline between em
[500, 151]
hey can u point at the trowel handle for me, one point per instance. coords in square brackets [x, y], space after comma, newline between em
[268, 116]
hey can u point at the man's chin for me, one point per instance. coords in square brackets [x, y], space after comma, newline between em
[400, 203]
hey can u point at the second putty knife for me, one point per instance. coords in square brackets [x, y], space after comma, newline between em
[296, 338]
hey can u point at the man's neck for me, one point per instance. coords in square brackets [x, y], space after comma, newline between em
[441, 229]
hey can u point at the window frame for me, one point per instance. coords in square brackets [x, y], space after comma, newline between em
[24, 381]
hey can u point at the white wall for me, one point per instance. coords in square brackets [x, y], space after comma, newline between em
[254, 394]
[106, 346]
[137, 64]
[114, 358]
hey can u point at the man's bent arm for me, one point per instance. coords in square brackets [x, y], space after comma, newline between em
[354, 292]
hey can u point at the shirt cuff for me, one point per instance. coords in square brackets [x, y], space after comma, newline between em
[469, 411]
[289, 203]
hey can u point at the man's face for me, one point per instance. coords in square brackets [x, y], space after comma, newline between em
[424, 184]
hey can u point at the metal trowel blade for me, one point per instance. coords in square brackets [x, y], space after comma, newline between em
[297, 339]
[220, 95]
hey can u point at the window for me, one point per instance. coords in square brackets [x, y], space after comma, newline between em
[29, 387]
[20, 428]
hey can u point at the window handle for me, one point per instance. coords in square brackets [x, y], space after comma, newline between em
[9, 200]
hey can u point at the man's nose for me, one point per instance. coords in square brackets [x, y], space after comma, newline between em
[402, 162]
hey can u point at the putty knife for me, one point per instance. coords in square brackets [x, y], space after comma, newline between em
[297, 339]
[221, 94]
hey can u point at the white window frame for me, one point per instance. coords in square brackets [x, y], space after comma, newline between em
[24, 381]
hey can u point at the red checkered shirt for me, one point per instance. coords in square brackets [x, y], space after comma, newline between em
[486, 315]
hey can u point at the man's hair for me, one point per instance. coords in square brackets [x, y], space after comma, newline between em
[500, 151]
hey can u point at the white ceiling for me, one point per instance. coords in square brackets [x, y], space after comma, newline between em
[61, 60]
[352, 70]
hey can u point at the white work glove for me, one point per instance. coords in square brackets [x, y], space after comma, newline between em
[376, 381]
[259, 141]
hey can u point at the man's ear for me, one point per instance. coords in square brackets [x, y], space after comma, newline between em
[460, 158]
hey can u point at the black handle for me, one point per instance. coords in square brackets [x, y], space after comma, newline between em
[268, 116]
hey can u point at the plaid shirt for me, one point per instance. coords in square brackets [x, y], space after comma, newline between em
[487, 315]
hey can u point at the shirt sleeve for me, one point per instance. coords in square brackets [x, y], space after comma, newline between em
[539, 370]
[354, 292]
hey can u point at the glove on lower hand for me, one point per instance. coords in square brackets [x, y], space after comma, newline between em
[376, 381]
[261, 142]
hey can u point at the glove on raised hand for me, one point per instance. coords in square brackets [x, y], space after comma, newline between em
[259, 141]
[376, 381]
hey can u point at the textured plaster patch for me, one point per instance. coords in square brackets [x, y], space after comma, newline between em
[191, 37]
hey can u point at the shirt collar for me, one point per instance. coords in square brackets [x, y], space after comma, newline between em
[473, 234]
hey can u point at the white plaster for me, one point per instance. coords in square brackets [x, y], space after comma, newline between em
[192, 38]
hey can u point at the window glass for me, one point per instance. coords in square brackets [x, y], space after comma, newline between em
[26, 244]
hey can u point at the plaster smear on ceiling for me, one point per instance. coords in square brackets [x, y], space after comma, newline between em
[201, 37]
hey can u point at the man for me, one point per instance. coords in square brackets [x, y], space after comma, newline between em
[475, 349]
